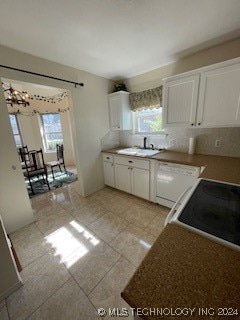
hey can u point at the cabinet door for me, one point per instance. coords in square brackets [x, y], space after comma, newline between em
[108, 170]
[140, 183]
[115, 112]
[219, 99]
[180, 101]
[123, 178]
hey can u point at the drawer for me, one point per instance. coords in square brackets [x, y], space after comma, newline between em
[133, 162]
[107, 157]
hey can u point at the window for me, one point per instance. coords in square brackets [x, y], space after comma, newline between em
[16, 130]
[52, 130]
[148, 121]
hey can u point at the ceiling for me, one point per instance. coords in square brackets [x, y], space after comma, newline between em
[116, 39]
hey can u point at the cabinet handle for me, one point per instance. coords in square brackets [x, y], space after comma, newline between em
[199, 123]
[192, 124]
[112, 164]
[130, 161]
[108, 158]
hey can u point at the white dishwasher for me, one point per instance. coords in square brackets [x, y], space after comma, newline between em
[172, 180]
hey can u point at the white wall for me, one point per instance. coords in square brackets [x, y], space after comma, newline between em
[152, 79]
[91, 123]
[89, 116]
[15, 206]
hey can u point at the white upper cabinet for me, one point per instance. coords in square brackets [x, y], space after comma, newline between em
[119, 109]
[207, 97]
[180, 101]
[219, 97]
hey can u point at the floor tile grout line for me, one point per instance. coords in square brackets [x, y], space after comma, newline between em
[46, 253]
[105, 273]
[93, 220]
[118, 214]
[32, 261]
[8, 313]
[151, 220]
[84, 293]
[124, 220]
[48, 298]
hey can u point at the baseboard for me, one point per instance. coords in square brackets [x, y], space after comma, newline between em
[8, 292]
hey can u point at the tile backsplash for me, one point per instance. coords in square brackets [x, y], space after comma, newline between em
[177, 139]
[110, 140]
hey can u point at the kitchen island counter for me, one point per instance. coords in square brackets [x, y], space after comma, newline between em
[185, 270]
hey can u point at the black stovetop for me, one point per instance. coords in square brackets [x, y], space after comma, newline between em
[214, 208]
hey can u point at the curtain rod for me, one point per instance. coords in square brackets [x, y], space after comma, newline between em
[43, 75]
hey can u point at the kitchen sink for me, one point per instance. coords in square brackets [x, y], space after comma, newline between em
[138, 152]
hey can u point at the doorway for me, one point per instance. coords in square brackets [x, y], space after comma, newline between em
[42, 124]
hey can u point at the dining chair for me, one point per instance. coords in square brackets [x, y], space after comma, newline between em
[35, 167]
[23, 155]
[59, 161]
[21, 151]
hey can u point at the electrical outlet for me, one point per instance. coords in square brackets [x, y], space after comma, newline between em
[218, 143]
[172, 142]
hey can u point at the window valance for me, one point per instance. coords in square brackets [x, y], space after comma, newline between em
[148, 99]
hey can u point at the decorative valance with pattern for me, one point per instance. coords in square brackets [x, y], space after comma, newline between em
[148, 99]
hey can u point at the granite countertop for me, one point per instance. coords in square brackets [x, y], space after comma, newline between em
[216, 167]
[185, 270]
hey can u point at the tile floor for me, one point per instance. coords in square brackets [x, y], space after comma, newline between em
[80, 253]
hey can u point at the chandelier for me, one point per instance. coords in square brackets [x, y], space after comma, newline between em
[14, 96]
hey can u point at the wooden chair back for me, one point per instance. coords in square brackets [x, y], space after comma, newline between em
[35, 161]
[22, 151]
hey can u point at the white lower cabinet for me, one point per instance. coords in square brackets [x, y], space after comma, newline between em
[108, 169]
[132, 180]
[128, 174]
[123, 178]
[140, 183]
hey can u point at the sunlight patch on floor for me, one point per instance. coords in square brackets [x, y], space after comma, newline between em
[67, 247]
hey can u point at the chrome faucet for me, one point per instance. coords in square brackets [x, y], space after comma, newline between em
[145, 142]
